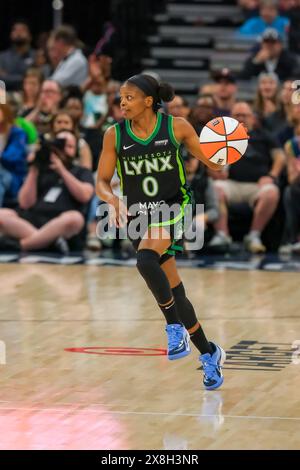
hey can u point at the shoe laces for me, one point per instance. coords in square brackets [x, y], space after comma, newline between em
[174, 335]
[209, 367]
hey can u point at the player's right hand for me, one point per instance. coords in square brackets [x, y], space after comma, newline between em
[118, 213]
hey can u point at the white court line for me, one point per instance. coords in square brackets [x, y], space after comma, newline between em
[149, 413]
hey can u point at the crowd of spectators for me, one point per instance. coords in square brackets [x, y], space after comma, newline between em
[60, 101]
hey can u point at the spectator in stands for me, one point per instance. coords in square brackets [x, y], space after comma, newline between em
[28, 127]
[96, 137]
[32, 83]
[225, 91]
[53, 201]
[287, 91]
[98, 66]
[63, 120]
[278, 120]
[47, 105]
[251, 180]
[292, 196]
[266, 101]
[13, 152]
[112, 90]
[93, 243]
[207, 89]
[104, 58]
[204, 193]
[178, 107]
[15, 61]
[41, 56]
[72, 68]
[293, 121]
[95, 100]
[93, 136]
[270, 57]
[52, 55]
[116, 111]
[74, 106]
[113, 116]
[202, 112]
[268, 18]
[250, 8]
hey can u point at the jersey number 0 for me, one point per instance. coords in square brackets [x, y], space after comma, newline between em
[150, 186]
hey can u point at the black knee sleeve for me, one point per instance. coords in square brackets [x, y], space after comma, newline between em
[150, 269]
[147, 262]
[185, 309]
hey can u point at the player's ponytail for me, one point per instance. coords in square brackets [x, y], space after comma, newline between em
[165, 92]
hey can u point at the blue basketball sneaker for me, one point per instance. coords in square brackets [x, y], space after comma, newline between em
[178, 341]
[212, 367]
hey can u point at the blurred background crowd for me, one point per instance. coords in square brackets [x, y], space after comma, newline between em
[61, 73]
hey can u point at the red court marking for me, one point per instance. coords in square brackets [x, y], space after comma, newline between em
[119, 351]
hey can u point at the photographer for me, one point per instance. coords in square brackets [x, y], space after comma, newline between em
[53, 199]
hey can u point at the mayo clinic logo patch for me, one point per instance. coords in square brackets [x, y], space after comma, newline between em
[161, 142]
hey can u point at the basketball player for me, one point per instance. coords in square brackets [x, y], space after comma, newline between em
[145, 150]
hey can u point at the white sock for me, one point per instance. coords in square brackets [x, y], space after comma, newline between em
[254, 233]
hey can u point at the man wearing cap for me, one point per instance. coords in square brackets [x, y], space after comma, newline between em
[271, 57]
[225, 91]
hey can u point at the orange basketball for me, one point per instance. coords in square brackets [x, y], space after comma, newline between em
[223, 140]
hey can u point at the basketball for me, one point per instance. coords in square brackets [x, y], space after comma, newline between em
[223, 140]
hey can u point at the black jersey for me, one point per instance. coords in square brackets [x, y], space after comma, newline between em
[151, 171]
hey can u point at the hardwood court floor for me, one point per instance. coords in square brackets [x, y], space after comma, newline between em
[56, 399]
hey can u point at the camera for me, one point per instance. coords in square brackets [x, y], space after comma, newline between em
[42, 156]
